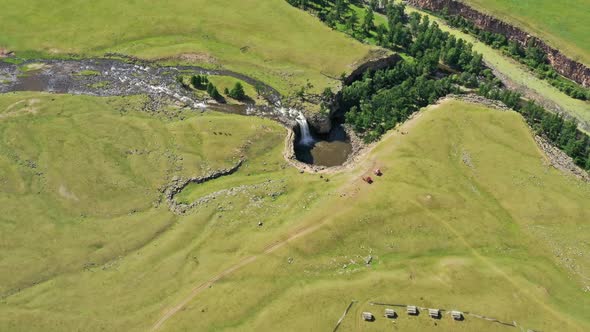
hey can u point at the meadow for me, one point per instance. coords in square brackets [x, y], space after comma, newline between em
[81, 176]
[468, 214]
[470, 222]
[268, 40]
[563, 24]
[477, 221]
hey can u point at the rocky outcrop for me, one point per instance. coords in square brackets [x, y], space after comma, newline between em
[560, 160]
[178, 184]
[322, 122]
[477, 99]
[4, 53]
[372, 65]
[565, 66]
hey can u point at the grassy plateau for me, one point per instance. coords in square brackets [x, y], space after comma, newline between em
[269, 40]
[563, 24]
[468, 215]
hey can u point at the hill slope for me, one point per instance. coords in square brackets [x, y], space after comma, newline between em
[266, 39]
[466, 216]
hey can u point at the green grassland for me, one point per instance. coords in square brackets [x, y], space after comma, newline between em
[461, 222]
[563, 24]
[227, 82]
[81, 176]
[269, 40]
[473, 221]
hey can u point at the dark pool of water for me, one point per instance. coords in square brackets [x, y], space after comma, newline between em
[330, 150]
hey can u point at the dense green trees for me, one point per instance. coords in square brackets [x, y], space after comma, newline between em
[201, 82]
[212, 91]
[381, 99]
[368, 21]
[237, 92]
[384, 98]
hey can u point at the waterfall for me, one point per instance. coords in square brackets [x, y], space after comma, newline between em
[306, 138]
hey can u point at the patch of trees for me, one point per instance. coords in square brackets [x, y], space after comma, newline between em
[201, 82]
[530, 55]
[384, 98]
[237, 92]
[339, 14]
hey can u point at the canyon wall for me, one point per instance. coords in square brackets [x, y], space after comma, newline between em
[322, 123]
[565, 66]
[373, 65]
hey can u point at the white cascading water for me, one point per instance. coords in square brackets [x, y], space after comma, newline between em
[306, 138]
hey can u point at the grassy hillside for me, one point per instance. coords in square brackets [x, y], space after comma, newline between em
[267, 39]
[473, 221]
[80, 176]
[469, 222]
[563, 24]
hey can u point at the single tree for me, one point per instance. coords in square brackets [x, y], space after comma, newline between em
[237, 92]
[351, 22]
[368, 22]
[259, 88]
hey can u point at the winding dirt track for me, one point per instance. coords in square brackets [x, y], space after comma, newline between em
[363, 163]
[199, 288]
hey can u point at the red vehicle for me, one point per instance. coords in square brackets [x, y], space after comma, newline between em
[367, 179]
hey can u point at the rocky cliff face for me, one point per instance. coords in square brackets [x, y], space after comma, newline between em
[322, 123]
[565, 66]
[373, 65]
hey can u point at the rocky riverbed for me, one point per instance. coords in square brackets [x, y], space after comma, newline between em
[129, 76]
[109, 77]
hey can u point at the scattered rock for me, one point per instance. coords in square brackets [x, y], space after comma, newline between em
[560, 160]
[466, 157]
[177, 184]
[4, 53]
